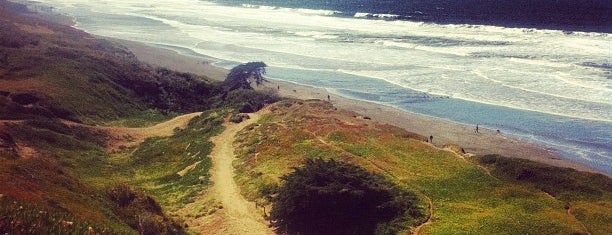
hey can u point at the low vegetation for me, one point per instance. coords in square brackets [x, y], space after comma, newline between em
[465, 197]
[587, 196]
[24, 218]
[52, 76]
[140, 211]
[155, 164]
[134, 188]
[57, 177]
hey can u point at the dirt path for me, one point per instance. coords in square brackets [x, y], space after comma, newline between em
[243, 216]
[119, 137]
[416, 230]
[129, 137]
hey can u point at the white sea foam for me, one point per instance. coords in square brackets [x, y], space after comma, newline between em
[376, 16]
[296, 10]
[316, 35]
[259, 7]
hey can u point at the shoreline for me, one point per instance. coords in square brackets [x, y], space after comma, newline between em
[444, 132]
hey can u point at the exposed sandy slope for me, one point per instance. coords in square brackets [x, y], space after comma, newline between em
[129, 137]
[119, 137]
[242, 216]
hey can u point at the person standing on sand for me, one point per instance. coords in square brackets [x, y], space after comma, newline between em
[476, 128]
[431, 139]
[328, 98]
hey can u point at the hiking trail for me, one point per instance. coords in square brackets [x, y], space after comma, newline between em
[243, 217]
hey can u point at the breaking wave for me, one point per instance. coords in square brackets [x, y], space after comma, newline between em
[296, 10]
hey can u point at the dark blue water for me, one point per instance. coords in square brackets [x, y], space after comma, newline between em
[571, 15]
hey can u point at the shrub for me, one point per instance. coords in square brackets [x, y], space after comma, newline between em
[248, 101]
[329, 197]
[239, 117]
[121, 195]
[140, 211]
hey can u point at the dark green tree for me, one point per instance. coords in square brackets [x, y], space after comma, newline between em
[330, 197]
[238, 77]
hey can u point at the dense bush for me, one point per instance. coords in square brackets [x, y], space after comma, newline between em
[239, 117]
[329, 197]
[249, 101]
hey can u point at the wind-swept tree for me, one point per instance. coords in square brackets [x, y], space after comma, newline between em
[240, 76]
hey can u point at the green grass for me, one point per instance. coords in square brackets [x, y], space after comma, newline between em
[76, 148]
[97, 82]
[588, 195]
[77, 77]
[17, 217]
[154, 165]
[466, 198]
[141, 119]
[563, 183]
[68, 74]
[86, 169]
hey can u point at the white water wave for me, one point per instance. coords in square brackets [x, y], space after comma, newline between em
[376, 16]
[316, 35]
[296, 10]
[482, 88]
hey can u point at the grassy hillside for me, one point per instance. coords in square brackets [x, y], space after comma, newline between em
[586, 196]
[71, 174]
[52, 70]
[58, 176]
[467, 198]
[61, 178]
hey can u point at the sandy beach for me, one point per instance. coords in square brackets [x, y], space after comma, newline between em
[443, 132]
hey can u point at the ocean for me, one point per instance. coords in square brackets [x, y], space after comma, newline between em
[581, 15]
[539, 71]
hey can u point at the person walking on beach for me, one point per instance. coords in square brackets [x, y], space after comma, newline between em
[476, 128]
[431, 139]
[328, 98]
